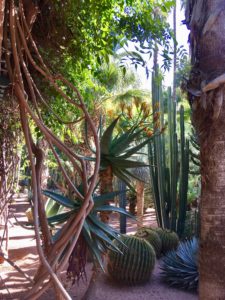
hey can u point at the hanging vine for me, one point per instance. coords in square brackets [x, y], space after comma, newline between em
[23, 59]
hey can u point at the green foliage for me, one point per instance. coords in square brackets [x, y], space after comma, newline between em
[152, 237]
[145, 23]
[97, 235]
[81, 38]
[183, 67]
[136, 262]
[180, 267]
[170, 239]
[89, 31]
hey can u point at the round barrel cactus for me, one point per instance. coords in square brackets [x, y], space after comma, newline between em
[152, 237]
[136, 262]
[170, 239]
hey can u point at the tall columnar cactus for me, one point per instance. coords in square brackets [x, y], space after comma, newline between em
[134, 264]
[169, 163]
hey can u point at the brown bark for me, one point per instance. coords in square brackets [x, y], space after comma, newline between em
[31, 11]
[206, 94]
[2, 11]
[23, 56]
[106, 186]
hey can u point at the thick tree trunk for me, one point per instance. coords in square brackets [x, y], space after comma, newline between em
[106, 186]
[2, 11]
[206, 88]
[212, 210]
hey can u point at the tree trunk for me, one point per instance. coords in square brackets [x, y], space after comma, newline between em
[140, 202]
[106, 186]
[2, 11]
[206, 91]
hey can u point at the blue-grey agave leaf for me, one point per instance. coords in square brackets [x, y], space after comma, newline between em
[180, 267]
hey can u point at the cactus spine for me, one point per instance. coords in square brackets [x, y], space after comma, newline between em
[152, 237]
[136, 262]
[170, 239]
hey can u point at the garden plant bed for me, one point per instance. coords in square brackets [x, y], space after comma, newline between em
[23, 253]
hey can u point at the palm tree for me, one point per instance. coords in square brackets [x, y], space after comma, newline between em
[206, 92]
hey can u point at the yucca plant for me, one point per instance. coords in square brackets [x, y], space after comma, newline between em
[180, 267]
[95, 235]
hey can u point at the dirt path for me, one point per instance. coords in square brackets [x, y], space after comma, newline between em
[23, 252]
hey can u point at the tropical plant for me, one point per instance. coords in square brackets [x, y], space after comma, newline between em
[23, 43]
[170, 239]
[152, 237]
[118, 156]
[180, 267]
[97, 235]
[136, 262]
[117, 151]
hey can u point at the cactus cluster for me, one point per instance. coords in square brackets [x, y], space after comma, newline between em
[152, 237]
[134, 264]
[162, 240]
[170, 239]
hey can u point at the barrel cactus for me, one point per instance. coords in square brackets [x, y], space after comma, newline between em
[134, 264]
[180, 267]
[170, 239]
[152, 237]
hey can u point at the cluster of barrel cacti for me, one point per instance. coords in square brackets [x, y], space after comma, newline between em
[162, 240]
[152, 237]
[135, 260]
[169, 239]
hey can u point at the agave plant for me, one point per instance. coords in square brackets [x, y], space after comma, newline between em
[118, 157]
[95, 235]
[180, 267]
[118, 152]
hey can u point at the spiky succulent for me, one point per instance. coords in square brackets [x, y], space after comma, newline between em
[136, 262]
[152, 237]
[119, 151]
[180, 267]
[170, 239]
[97, 235]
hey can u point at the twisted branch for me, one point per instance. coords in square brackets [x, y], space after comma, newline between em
[19, 59]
